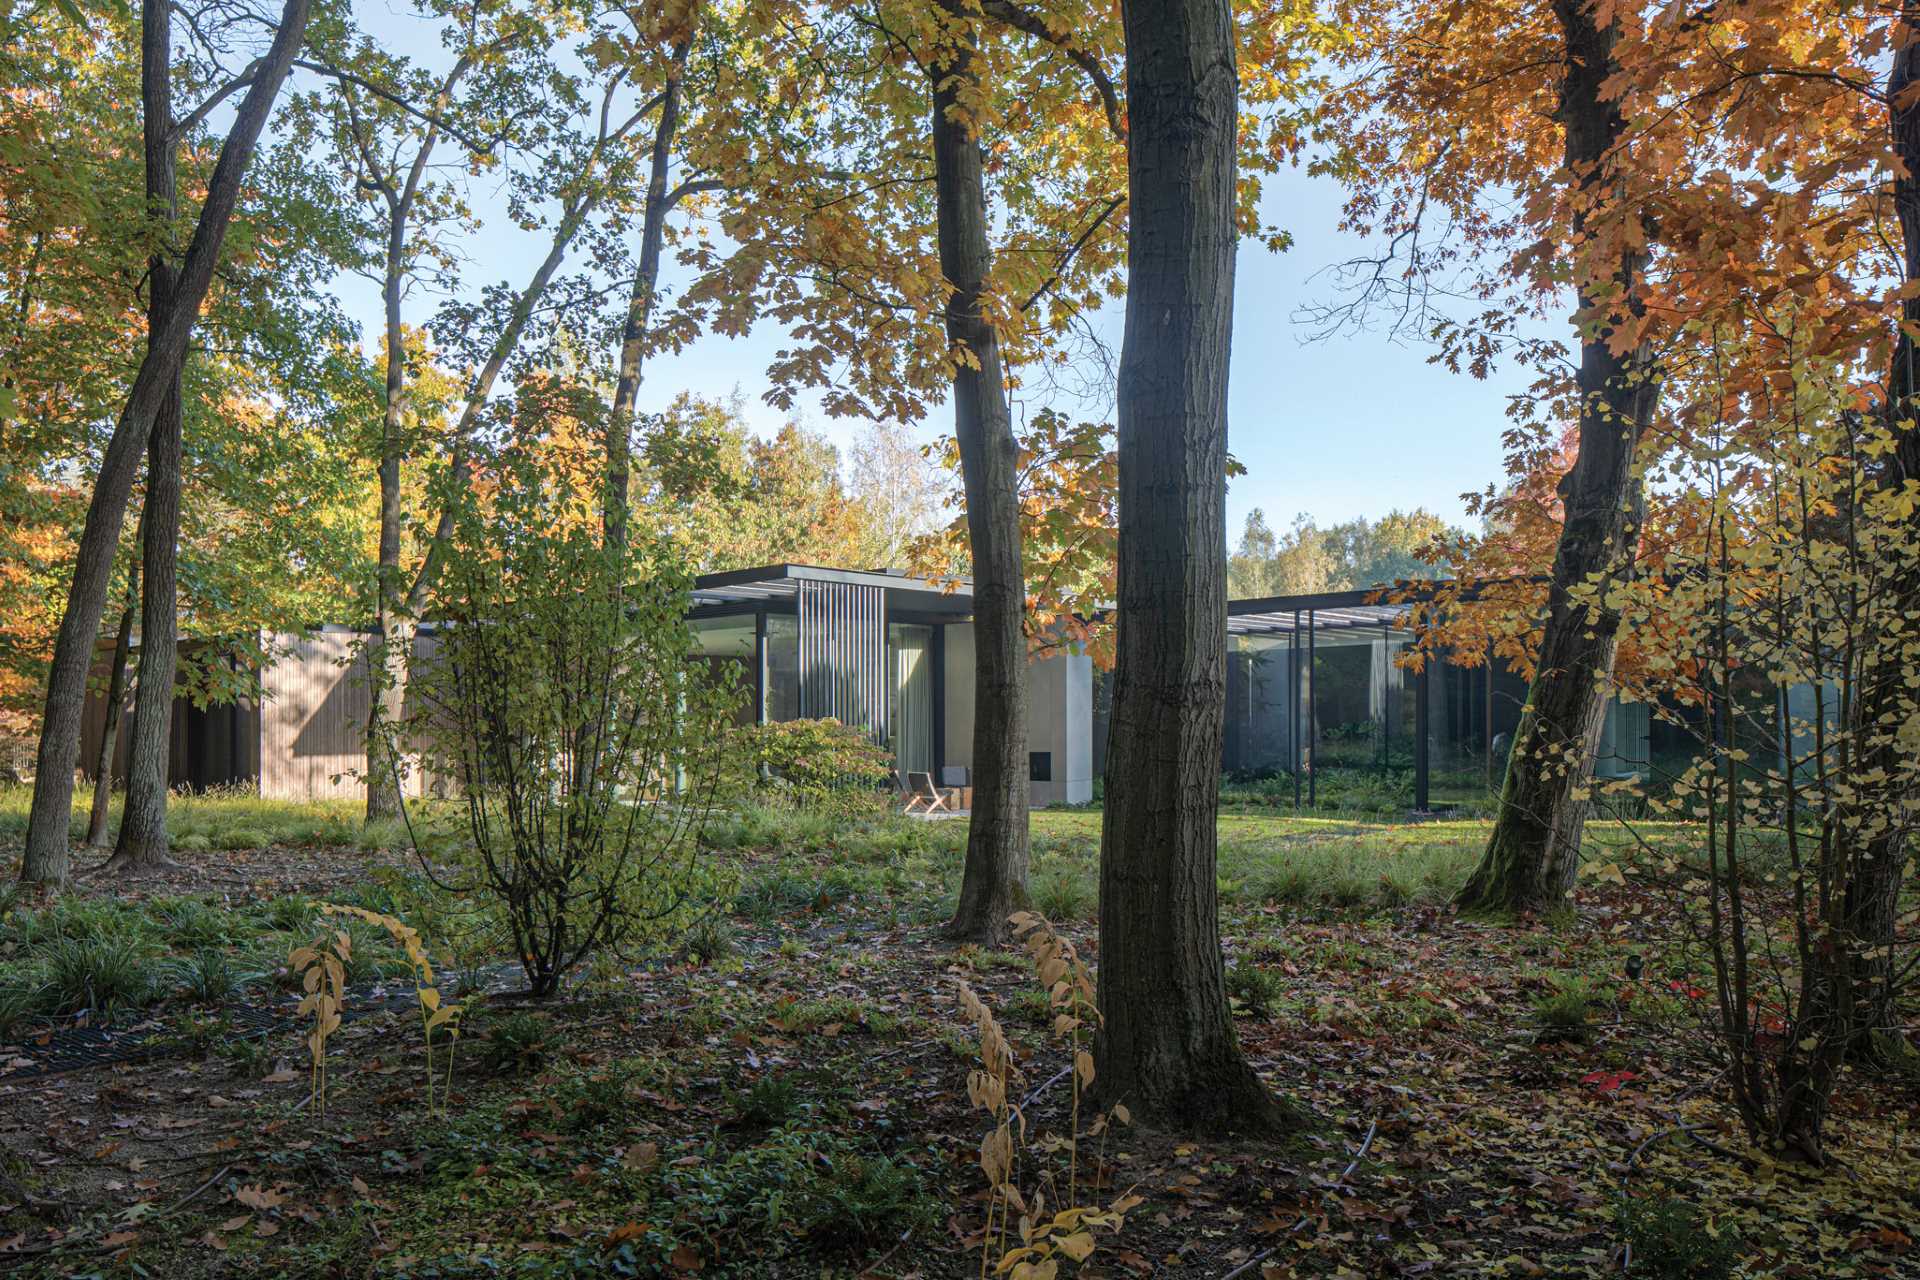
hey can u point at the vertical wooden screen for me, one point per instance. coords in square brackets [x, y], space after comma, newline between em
[843, 654]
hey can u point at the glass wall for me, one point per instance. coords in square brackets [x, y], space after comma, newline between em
[1472, 712]
[1259, 741]
[783, 666]
[1324, 713]
[727, 645]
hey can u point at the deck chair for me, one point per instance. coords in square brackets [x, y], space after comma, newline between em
[923, 796]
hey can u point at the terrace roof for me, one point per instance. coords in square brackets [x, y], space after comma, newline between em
[1320, 611]
[778, 585]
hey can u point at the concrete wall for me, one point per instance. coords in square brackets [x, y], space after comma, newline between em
[958, 747]
[1060, 722]
[1059, 717]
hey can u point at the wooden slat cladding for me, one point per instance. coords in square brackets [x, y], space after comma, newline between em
[313, 731]
[843, 654]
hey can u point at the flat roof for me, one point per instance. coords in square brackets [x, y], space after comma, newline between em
[1325, 610]
[778, 585]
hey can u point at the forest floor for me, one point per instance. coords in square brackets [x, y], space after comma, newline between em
[781, 1090]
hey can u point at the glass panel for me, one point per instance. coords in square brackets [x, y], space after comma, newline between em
[910, 718]
[724, 637]
[1259, 740]
[727, 646]
[783, 666]
[1623, 741]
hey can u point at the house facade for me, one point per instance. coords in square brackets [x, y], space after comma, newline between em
[893, 655]
[883, 651]
[1317, 696]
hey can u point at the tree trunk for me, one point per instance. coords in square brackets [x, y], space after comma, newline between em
[1167, 1047]
[386, 667]
[633, 335]
[110, 723]
[142, 843]
[994, 882]
[1533, 853]
[47, 859]
[387, 657]
[1876, 862]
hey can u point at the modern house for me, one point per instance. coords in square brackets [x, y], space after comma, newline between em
[1317, 697]
[893, 655]
[1316, 688]
[883, 651]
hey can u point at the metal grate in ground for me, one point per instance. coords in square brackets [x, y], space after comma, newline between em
[55, 1049]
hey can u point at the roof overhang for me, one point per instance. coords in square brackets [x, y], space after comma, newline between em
[777, 587]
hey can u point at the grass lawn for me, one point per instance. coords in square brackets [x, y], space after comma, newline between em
[779, 1088]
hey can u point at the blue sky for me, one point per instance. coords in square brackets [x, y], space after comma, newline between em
[1354, 425]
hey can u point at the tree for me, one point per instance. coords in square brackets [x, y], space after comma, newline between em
[1357, 553]
[1166, 1047]
[1876, 832]
[1533, 851]
[71, 203]
[116, 696]
[994, 880]
[47, 856]
[389, 146]
[142, 840]
[736, 500]
[902, 489]
[890, 318]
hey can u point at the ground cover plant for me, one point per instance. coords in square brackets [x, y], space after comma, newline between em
[1491, 1100]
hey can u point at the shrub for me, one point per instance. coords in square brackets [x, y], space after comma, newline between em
[1062, 893]
[583, 1103]
[710, 938]
[192, 924]
[566, 702]
[103, 974]
[18, 1005]
[249, 1058]
[1667, 1240]
[800, 1184]
[291, 914]
[819, 765]
[1254, 988]
[1562, 1012]
[208, 977]
[517, 1044]
[767, 1103]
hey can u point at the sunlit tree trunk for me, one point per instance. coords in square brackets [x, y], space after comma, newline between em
[633, 334]
[47, 858]
[393, 635]
[386, 657]
[1167, 1049]
[1533, 852]
[994, 882]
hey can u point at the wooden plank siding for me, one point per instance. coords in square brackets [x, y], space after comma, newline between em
[213, 746]
[313, 726]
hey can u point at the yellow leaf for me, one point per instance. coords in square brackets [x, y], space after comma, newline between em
[1076, 1246]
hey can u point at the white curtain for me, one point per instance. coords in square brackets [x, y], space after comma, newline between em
[912, 699]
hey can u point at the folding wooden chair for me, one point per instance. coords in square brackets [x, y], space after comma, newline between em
[923, 796]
